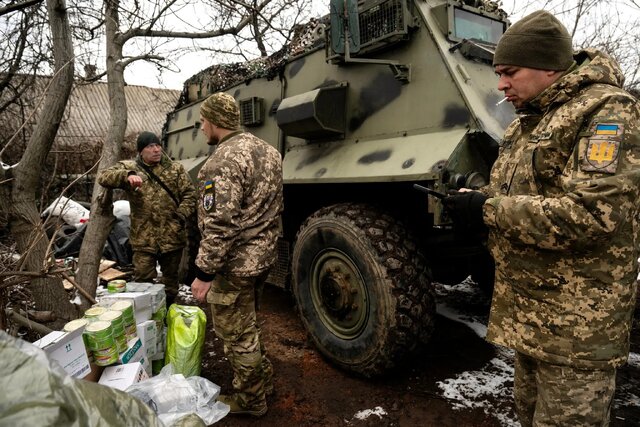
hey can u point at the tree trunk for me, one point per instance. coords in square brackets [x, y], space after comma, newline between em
[101, 219]
[21, 202]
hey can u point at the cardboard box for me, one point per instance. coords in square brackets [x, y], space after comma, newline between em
[67, 348]
[135, 352]
[122, 376]
[147, 331]
[141, 303]
[158, 295]
[95, 373]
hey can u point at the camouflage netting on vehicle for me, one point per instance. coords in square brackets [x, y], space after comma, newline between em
[218, 77]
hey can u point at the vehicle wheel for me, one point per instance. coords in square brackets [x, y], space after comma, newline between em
[362, 287]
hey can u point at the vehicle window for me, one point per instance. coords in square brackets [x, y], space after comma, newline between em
[469, 25]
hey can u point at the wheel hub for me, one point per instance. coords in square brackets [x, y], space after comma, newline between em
[335, 293]
[339, 294]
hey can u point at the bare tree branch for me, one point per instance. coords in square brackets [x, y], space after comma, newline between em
[18, 6]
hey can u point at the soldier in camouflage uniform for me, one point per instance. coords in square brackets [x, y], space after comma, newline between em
[157, 217]
[239, 217]
[562, 214]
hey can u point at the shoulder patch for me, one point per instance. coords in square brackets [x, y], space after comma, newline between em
[208, 195]
[603, 148]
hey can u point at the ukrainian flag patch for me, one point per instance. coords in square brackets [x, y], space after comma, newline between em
[607, 129]
[208, 185]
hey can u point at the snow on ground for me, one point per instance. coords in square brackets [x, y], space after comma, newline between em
[184, 293]
[490, 388]
[366, 413]
[628, 393]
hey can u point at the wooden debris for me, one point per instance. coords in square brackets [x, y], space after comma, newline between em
[21, 320]
[41, 316]
[111, 274]
[105, 264]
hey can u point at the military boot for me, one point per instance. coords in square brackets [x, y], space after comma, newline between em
[238, 408]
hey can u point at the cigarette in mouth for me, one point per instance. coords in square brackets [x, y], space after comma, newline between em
[501, 101]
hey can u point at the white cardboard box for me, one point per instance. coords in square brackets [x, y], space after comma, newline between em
[135, 352]
[122, 376]
[147, 331]
[67, 348]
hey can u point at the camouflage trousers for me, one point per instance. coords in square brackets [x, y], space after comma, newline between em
[144, 269]
[234, 301]
[556, 395]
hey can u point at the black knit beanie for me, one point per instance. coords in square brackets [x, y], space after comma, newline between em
[147, 138]
[538, 41]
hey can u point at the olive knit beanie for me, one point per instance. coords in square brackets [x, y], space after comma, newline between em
[221, 110]
[146, 138]
[538, 41]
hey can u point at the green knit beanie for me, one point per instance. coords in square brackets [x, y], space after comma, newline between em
[538, 41]
[221, 110]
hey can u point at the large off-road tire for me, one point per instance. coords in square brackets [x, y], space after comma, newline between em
[362, 287]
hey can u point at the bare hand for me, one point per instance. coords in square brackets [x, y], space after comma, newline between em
[199, 289]
[134, 181]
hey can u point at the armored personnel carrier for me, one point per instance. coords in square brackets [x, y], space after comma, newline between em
[377, 96]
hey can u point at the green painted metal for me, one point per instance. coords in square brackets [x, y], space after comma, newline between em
[339, 120]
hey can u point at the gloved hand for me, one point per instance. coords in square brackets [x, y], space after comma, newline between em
[465, 209]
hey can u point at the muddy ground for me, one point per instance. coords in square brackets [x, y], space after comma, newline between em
[312, 392]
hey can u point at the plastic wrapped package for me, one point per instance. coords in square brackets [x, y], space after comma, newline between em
[172, 396]
[185, 338]
[38, 392]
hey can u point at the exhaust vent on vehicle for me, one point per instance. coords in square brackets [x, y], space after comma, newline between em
[251, 111]
[317, 114]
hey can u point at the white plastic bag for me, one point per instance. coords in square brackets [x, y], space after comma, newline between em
[172, 396]
[73, 213]
[121, 208]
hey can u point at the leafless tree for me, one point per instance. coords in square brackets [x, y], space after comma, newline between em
[612, 26]
[19, 183]
[147, 25]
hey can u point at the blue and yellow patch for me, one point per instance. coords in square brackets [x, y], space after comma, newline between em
[603, 148]
[208, 195]
[607, 129]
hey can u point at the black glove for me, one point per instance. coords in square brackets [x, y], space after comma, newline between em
[465, 209]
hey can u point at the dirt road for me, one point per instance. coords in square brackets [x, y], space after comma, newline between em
[312, 392]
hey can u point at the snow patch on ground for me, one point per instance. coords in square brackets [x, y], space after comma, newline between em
[184, 293]
[628, 394]
[634, 360]
[366, 413]
[453, 314]
[488, 389]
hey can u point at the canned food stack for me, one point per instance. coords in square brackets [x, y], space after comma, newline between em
[102, 342]
[94, 312]
[117, 326]
[126, 307]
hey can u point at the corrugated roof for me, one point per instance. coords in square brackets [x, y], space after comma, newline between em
[86, 120]
[87, 114]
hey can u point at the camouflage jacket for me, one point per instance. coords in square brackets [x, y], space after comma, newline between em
[241, 200]
[563, 220]
[157, 223]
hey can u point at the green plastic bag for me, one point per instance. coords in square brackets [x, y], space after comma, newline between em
[186, 326]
